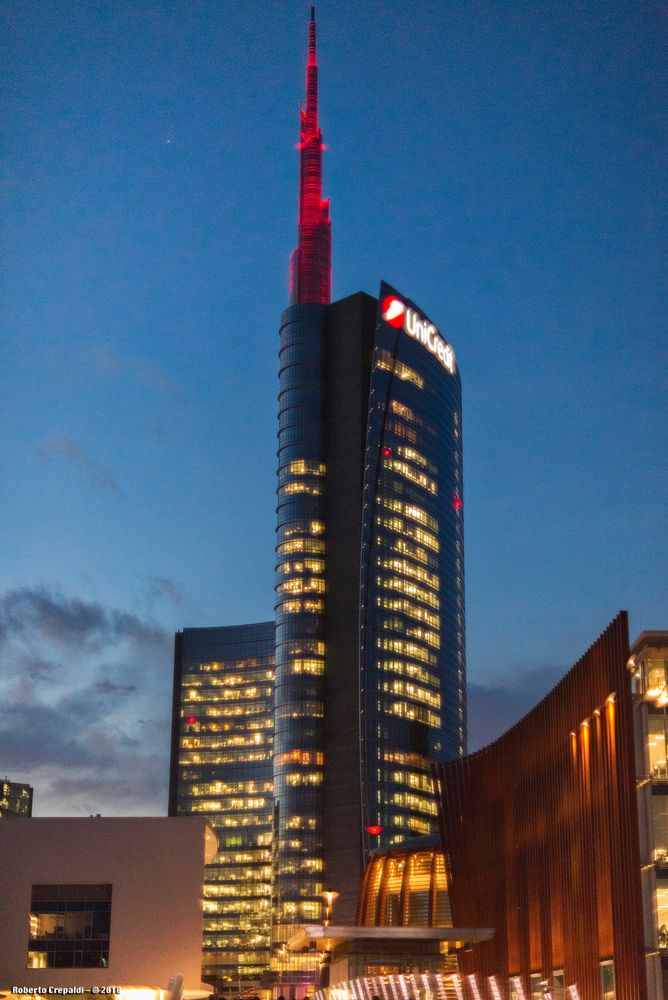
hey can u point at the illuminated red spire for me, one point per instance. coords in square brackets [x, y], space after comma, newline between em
[311, 262]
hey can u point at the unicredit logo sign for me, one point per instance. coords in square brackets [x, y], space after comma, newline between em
[399, 315]
[393, 311]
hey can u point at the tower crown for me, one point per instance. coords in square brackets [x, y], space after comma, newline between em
[311, 261]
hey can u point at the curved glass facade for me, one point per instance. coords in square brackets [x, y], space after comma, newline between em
[300, 605]
[370, 535]
[412, 581]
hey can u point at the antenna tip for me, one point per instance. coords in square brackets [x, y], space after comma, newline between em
[313, 13]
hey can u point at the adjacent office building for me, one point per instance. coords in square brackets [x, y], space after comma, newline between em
[15, 799]
[370, 670]
[222, 726]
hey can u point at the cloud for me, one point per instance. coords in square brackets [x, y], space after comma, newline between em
[86, 695]
[162, 586]
[146, 374]
[108, 687]
[99, 479]
[40, 614]
[496, 706]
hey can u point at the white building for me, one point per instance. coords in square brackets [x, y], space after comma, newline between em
[97, 903]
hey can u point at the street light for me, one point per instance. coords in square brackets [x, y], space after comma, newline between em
[329, 896]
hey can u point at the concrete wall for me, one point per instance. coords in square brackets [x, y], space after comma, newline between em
[155, 867]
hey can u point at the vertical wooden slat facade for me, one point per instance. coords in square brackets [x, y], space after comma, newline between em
[540, 830]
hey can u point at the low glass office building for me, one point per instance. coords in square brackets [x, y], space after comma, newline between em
[221, 768]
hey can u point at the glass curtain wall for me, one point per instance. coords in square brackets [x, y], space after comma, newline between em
[224, 709]
[300, 604]
[412, 584]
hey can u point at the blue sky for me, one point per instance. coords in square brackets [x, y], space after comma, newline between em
[501, 164]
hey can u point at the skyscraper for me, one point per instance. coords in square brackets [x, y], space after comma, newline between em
[369, 642]
[370, 670]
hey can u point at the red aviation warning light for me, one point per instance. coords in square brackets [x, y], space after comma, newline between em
[457, 502]
[393, 311]
[374, 830]
[191, 720]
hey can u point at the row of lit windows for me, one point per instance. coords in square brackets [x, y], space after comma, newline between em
[237, 839]
[408, 568]
[386, 362]
[307, 666]
[402, 410]
[251, 890]
[300, 467]
[215, 924]
[412, 455]
[432, 639]
[225, 859]
[189, 679]
[300, 487]
[306, 909]
[400, 586]
[414, 802]
[399, 527]
[295, 607]
[303, 645]
[235, 757]
[410, 610]
[415, 713]
[302, 823]
[295, 778]
[228, 803]
[229, 694]
[408, 649]
[242, 740]
[412, 670]
[410, 690]
[300, 710]
[207, 728]
[410, 759]
[222, 820]
[410, 510]
[302, 585]
[224, 787]
[301, 528]
[415, 552]
[301, 566]
[301, 545]
[230, 678]
[215, 711]
[305, 757]
[218, 906]
[408, 472]
[402, 431]
[420, 781]
[310, 865]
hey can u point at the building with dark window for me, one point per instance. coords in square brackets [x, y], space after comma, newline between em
[221, 768]
[15, 799]
[548, 838]
[109, 905]
[370, 638]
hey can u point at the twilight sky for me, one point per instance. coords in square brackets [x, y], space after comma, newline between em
[500, 163]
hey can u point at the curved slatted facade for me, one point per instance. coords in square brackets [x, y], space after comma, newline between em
[405, 888]
[542, 835]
